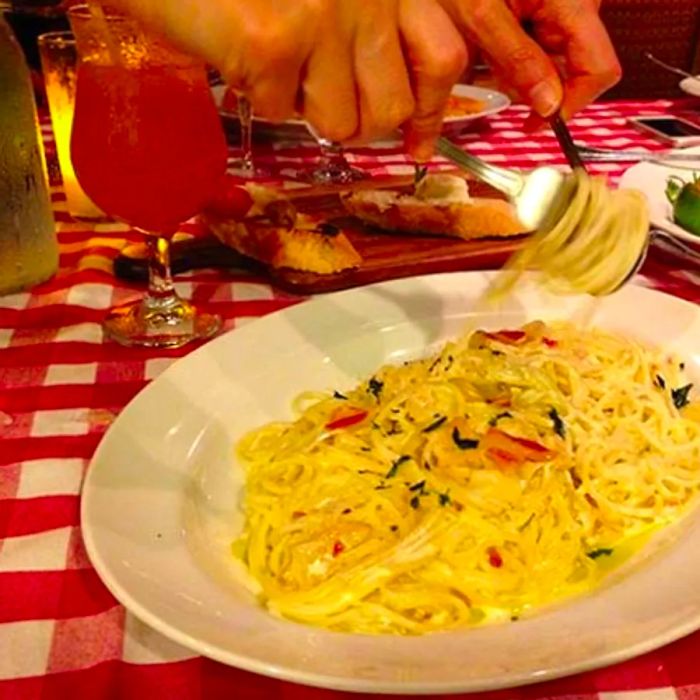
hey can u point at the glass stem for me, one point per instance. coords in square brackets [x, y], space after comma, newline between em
[331, 153]
[161, 291]
[245, 116]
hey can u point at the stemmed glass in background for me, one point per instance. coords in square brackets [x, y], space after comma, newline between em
[245, 166]
[333, 167]
[233, 101]
[148, 148]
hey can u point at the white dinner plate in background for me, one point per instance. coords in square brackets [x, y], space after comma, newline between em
[651, 179]
[294, 129]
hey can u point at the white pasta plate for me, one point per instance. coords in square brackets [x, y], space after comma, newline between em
[650, 178]
[161, 501]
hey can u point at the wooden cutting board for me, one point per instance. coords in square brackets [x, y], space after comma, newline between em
[385, 256]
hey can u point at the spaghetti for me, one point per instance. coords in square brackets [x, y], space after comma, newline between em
[593, 245]
[501, 474]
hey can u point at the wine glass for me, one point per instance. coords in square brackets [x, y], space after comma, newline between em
[333, 168]
[148, 148]
[245, 166]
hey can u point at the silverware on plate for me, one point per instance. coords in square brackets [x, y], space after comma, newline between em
[610, 156]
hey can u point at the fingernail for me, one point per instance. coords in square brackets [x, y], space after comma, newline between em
[423, 153]
[419, 147]
[544, 99]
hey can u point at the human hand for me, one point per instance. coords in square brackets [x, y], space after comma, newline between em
[564, 62]
[356, 70]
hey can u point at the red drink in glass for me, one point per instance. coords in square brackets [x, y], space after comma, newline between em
[147, 144]
[148, 148]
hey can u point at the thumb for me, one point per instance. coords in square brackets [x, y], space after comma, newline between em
[513, 53]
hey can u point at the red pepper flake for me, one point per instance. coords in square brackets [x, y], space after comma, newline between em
[298, 514]
[550, 343]
[500, 401]
[338, 548]
[502, 457]
[508, 450]
[347, 420]
[530, 444]
[495, 558]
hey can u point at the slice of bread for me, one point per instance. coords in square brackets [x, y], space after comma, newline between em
[274, 233]
[299, 248]
[441, 206]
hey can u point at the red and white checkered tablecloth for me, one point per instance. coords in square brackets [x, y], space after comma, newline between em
[62, 635]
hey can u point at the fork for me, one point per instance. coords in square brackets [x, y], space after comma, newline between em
[566, 141]
[539, 196]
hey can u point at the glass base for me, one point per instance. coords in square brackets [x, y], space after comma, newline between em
[244, 169]
[334, 174]
[152, 323]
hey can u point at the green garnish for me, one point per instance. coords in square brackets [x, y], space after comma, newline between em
[679, 396]
[414, 502]
[527, 522]
[419, 486]
[338, 395]
[559, 427]
[395, 466]
[434, 364]
[463, 443]
[444, 498]
[435, 424]
[374, 386]
[660, 381]
[601, 552]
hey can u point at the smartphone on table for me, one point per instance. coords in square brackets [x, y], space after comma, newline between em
[674, 131]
